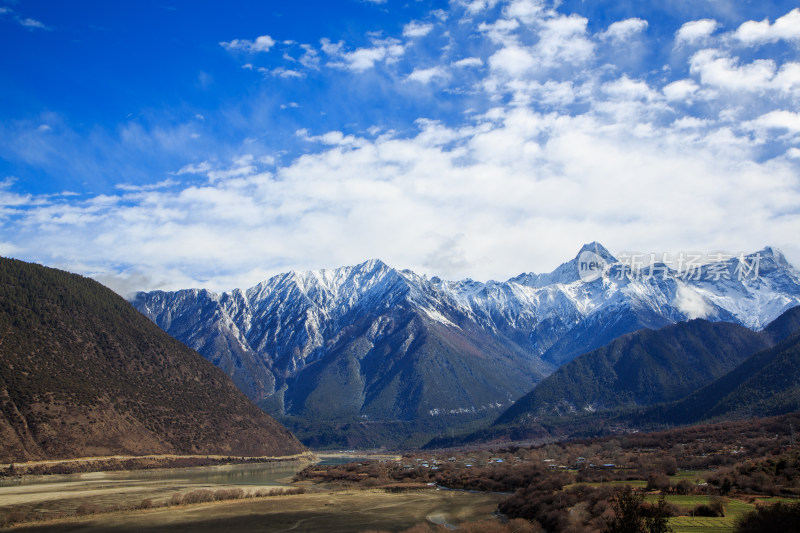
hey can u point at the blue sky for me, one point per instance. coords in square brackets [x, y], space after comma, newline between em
[175, 144]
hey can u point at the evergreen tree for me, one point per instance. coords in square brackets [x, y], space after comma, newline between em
[631, 516]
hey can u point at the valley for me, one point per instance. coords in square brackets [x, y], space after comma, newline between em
[692, 419]
[384, 266]
[708, 483]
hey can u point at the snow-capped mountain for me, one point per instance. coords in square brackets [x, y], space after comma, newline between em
[370, 342]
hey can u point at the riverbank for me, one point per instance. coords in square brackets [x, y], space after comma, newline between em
[111, 463]
[38, 498]
[355, 455]
[357, 510]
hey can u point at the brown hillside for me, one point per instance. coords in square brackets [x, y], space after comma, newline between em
[83, 373]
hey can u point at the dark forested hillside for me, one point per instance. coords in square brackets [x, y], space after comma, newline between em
[83, 373]
[642, 368]
[766, 384]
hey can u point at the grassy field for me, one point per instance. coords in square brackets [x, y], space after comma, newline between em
[690, 524]
[691, 475]
[635, 484]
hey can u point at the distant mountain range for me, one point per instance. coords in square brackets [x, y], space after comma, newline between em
[703, 360]
[687, 373]
[368, 346]
[82, 373]
[766, 384]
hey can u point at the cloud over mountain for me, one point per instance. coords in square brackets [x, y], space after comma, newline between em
[480, 140]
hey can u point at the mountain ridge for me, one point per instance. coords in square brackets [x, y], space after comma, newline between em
[642, 368]
[766, 382]
[269, 337]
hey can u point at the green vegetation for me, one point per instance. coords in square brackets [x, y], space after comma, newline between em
[692, 521]
[783, 517]
[704, 478]
[570, 486]
[632, 516]
[642, 368]
[613, 389]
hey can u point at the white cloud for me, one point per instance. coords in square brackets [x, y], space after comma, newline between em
[149, 187]
[513, 60]
[781, 120]
[364, 58]
[525, 10]
[695, 31]
[517, 193]
[691, 303]
[563, 39]
[24, 21]
[786, 28]
[283, 72]
[199, 168]
[260, 44]
[425, 75]
[310, 57]
[562, 42]
[680, 90]
[554, 148]
[11, 199]
[686, 123]
[33, 23]
[627, 89]
[331, 138]
[624, 29]
[361, 59]
[469, 62]
[717, 69]
[244, 165]
[473, 7]
[417, 29]
[331, 48]
[500, 31]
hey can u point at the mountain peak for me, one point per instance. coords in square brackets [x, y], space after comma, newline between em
[773, 253]
[372, 264]
[597, 248]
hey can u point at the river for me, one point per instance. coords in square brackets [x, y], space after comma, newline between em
[269, 474]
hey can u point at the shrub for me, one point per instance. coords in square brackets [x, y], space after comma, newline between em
[705, 510]
[493, 526]
[14, 516]
[658, 482]
[684, 487]
[229, 494]
[780, 517]
[631, 516]
[718, 505]
[147, 503]
[199, 496]
[87, 508]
